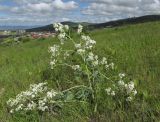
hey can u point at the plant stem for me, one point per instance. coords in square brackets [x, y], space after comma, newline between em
[75, 88]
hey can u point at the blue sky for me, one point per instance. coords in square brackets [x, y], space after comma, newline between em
[42, 12]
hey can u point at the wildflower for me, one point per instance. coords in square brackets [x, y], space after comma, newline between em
[80, 51]
[66, 27]
[121, 75]
[95, 63]
[121, 82]
[85, 38]
[108, 90]
[80, 28]
[19, 107]
[54, 50]
[51, 94]
[78, 46]
[90, 56]
[52, 63]
[31, 105]
[113, 93]
[11, 111]
[112, 65]
[129, 87]
[58, 27]
[134, 92]
[66, 54]
[39, 97]
[76, 67]
[129, 99]
[104, 61]
[62, 37]
[106, 67]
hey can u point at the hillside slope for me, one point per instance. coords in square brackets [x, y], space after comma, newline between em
[51, 29]
[90, 26]
[128, 21]
[133, 48]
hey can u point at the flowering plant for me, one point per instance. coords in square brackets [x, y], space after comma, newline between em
[94, 72]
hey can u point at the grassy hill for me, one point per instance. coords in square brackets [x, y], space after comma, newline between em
[51, 29]
[91, 26]
[127, 21]
[134, 48]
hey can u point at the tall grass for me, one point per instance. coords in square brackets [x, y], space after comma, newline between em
[135, 48]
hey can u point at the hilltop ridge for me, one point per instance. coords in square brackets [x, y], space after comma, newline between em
[90, 26]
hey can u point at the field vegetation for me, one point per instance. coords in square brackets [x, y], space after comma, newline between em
[133, 48]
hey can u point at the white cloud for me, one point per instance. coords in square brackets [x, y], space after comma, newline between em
[113, 9]
[44, 11]
[59, 4]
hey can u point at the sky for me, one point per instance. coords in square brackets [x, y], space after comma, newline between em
[42, 12]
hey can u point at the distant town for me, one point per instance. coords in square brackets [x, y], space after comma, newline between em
[24, 33]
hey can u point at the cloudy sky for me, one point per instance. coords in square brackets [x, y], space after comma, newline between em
[41, 12]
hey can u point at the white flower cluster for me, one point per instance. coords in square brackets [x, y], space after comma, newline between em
[76, 67]
[66, 54]
[36, 98]
[62, 29]
[129, 87]
[80, 29]
[110, 91]
[106, 64]
[55, 51]
[40, 98]
[89, 43]
[122, 87]
[93, 59]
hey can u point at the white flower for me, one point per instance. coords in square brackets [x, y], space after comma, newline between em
[76, 67]
[121, 75]
[52, 63]
[66, 54]
[66, 27]
[11, 111]
[51, 94]
[31, 105]
[90, 56]
[62, 37]
[108, 90]
[95, 63]
[90, 43]
[129, 99]
[104, 61]
[121, 82]
[112, 65]
[113, 93]
[129, 87]
[19, 107]
[85, 38]
[78, 46]
[56, 29]
[134, 92]
[54, 49]
[80, 51]
[80, 28]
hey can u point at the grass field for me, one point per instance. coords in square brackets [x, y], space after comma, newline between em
[134, 48]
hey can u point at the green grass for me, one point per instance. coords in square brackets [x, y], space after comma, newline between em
[134, 49]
